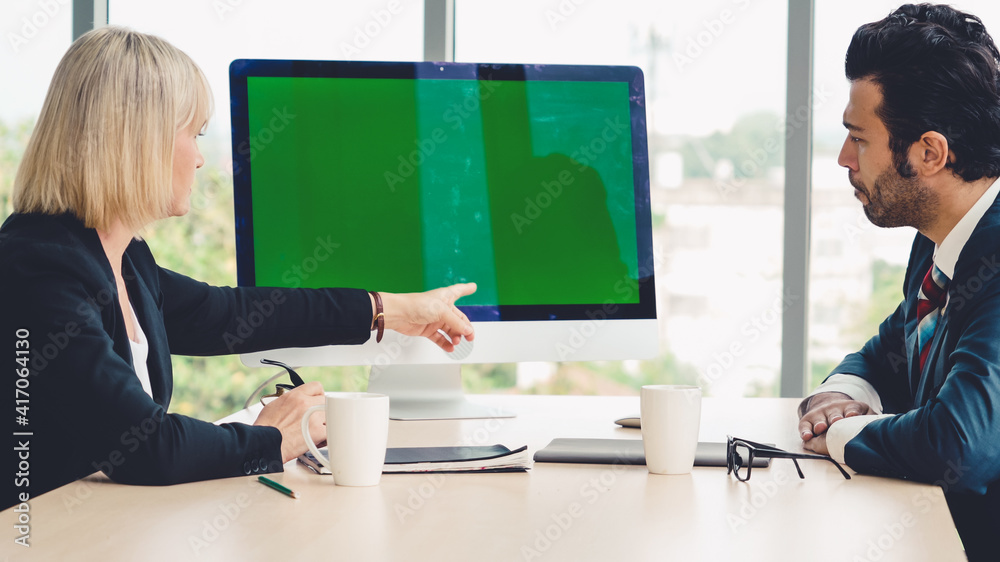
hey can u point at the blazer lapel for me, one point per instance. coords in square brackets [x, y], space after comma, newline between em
[151, 320]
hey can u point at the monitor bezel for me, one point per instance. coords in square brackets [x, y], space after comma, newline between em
[241, 69]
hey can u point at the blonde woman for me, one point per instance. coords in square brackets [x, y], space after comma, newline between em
[91, 319]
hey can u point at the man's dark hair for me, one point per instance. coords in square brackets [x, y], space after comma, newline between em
[938, 70]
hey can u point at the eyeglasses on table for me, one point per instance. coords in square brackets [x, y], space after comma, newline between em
[741, 453]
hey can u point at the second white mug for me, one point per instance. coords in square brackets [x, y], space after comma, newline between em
[357, 432]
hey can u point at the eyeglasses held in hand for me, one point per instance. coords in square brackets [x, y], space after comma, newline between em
[280, 388]
[740, 454]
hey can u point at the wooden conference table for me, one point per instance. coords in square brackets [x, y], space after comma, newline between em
[552, 512]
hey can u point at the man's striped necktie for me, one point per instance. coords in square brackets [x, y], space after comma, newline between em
[930, 301]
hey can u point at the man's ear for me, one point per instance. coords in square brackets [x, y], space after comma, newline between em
[930, 154]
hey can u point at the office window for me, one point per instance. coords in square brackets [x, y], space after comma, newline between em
[35, 36]
[715, 78]
[715, 84]
[864, 280]
[202, 243]
[216, 33]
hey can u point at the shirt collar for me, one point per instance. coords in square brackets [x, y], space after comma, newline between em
[946, 254]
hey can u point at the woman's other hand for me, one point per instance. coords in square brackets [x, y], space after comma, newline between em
[285, 413]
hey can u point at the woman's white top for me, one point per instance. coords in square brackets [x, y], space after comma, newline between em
[140, 352]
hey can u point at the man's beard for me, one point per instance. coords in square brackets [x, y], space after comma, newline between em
[897, 201]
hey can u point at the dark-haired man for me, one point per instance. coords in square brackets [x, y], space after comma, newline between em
[921, 400]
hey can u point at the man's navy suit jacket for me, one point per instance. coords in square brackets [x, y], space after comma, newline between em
[87, 409]
[948, 430]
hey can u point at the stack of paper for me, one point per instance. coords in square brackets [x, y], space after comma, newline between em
[492, 458]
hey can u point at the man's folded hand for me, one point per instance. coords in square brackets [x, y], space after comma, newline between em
[822, 411]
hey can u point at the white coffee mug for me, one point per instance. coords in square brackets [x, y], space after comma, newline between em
[670, 416]
[357, 431]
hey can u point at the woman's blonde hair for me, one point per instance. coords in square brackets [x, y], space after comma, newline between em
[103, 145]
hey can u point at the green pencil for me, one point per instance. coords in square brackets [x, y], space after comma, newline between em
[272, 484]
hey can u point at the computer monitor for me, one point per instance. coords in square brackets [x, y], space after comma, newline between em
[530, 180]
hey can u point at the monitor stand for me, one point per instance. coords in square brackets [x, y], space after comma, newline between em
[427, 392]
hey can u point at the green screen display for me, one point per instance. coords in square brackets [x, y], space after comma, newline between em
[524, 187]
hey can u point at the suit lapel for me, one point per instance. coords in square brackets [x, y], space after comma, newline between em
[935, 370]
[976, 253]
[910, 329]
